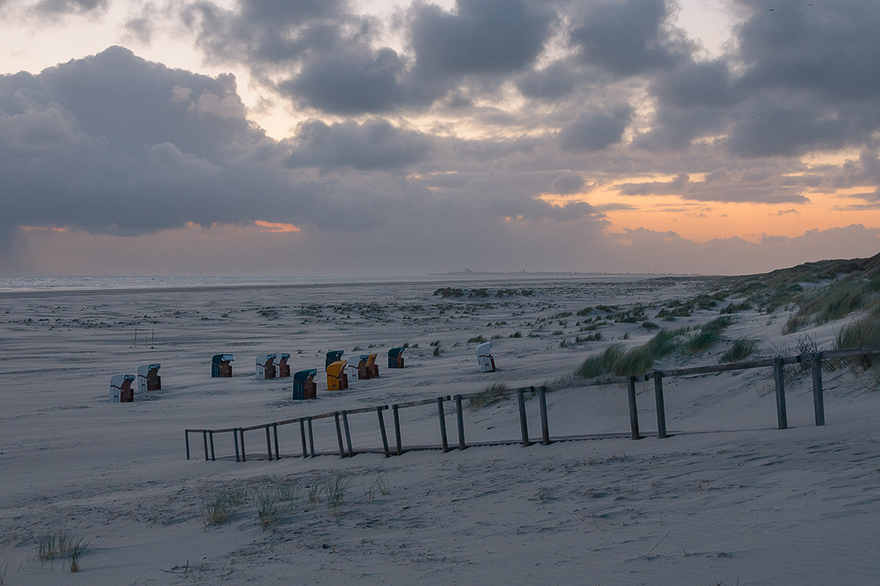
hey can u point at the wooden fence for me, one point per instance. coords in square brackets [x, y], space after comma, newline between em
[344, 435]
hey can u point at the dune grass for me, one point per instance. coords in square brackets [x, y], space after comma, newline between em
[491, 394]
[833, 302]
[862, 332]
[61, 544]
[709, 334]
[739, 350]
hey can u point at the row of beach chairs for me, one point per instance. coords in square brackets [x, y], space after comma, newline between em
[270, 366]
[147, 378]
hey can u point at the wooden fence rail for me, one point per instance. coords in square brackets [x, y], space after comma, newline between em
[346, 448]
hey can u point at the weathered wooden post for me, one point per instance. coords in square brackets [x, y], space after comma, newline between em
[311, 437]
[382, 429]
[818, 399]
[211, 439]
[275, 434]
[269, 442]
[235, 441]
[442, 416]
[205, 438]
[395, 410]
[347, 434]
[779, 377]
[460, 418]
[523, 422]
[339, 435]
[241, 439]
[633, 411]
[302, 435]
[661, 407]
[545, 426]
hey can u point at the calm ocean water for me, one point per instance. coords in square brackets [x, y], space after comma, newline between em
[76, 283]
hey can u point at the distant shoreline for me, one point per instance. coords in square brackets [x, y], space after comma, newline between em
[437, 279]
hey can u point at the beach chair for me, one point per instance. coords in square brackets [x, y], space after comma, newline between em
[337, 380]
[485, 358]
[148, 378]
[220, 365]
[304, 386]
[282, 368]
[363, 367]
[265, 366]
[120, 388]
[395, 358]
[372, 367]
[332, 356]
[352, 369]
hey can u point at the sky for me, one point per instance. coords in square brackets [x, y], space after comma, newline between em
[345, 137]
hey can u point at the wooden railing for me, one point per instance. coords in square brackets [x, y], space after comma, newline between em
[344, 436]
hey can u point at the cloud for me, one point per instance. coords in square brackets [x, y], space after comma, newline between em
[722, 186]
[629, 37]
[357, 81]
[375, 144]
[567, 184]
[480, 36]
[594, 132]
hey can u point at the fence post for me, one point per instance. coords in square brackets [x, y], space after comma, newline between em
[395, 410]
[241, 434]
[382, 429]
[311, 438]
[302, 434]
[269, 442]
[347, 433]
[186, 434]
[339, 435]
[633, 411]
[545, 427]
[779, 377]
[818, 399]
[523, 423]
[235, 441]
[442, 424]
[205, 439]
[661, 407]
[211, 436]
[275, 433]
[460, 417]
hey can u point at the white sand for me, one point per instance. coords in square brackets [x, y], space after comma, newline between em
[731, 500]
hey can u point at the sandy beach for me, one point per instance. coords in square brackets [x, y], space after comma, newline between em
[727, 499]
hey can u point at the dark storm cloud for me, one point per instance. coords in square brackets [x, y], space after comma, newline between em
[353, 82]
[481, 36]
[594, 132]
[264, 33]
[113, 143]
[375, 144]
[826, 48]
[628, 38]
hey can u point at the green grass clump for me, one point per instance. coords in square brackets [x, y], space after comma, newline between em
[491, 394]
[617, 361]
[217, 507]
[709, 334]
[833, 302]
[739, 350]
[862, 332]
[476, 340]
[61, 544]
